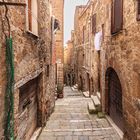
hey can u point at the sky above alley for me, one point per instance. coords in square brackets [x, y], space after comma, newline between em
[69, 11]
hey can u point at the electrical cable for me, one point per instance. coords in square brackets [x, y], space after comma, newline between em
[9, 97]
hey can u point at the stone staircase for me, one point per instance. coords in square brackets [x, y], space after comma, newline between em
[94, 105]
[86, 94]
[75, 87]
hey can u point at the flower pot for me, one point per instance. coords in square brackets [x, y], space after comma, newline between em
[60, 95]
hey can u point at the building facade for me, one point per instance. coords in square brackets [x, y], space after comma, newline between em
[69, 74]
[27, 80]
[58, 12]
[113, 60]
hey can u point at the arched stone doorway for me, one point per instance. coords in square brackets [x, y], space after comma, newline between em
[114, 98]
[88, 82]
[81, 84]
[92, 87]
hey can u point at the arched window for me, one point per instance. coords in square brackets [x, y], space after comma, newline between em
[32, 16]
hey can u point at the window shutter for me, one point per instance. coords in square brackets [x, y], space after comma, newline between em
[117, 16]
[94, 24]
[138, 10]
[112, 17]
[30, 14]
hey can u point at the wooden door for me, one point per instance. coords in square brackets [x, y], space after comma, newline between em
[115, 100]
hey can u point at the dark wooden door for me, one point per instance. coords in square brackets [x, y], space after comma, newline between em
[115, 100]
[28, 109]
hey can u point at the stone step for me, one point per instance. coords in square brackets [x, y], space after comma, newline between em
[98, 95]
[91, 108]
[72, 88]
[101, 115]
[86, 94]
[96, 102]
[75, 86]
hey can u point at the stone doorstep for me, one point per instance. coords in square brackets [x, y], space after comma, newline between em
[72, 88]
[98, 95]
[76, 86]
[91, 107]
[86, 94]
[118, 130]
[95, 101]
[36, 133]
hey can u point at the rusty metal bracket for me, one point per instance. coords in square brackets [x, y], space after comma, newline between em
[12, 4]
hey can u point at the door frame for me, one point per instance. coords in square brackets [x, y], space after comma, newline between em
[107, 84]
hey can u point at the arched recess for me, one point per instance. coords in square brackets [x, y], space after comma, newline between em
[114, 97]
[81, 83]
[88, 82]
[92, 87]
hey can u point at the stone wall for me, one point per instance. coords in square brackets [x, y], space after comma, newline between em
[57, 10]
[87, 57]
[120, 52]
[68, 65]
[31, 57]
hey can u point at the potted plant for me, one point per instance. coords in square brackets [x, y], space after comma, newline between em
[60, 90]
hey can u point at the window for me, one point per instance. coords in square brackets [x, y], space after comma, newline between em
[32, 16]
[94, 24]
[116, 16]
[138, 10]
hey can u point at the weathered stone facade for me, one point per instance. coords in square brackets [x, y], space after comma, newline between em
[58, 12]
[87, 57]
[69, 60]
[118, 57]
[78, 49]
[34, 74]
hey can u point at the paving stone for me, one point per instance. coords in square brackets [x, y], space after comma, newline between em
[47, 138]
[71, 121]
[87, 133]
[75, 138]
[60, 138]
[68, 138]
[83, 138]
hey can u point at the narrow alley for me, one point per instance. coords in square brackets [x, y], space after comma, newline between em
[71, 121]
[70, 69]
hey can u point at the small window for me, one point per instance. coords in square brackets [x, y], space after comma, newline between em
[138, 10]
[32, 16]
[116, 16]
[94, 24]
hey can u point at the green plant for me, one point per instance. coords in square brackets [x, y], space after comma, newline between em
[59, 88]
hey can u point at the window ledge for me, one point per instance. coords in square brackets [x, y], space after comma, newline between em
[32, 34]
[116, 33]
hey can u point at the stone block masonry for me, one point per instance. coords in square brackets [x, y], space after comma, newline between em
[58, 12]
[34, 73]
[114, 69]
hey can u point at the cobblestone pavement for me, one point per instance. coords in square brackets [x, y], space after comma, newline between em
[71, 121]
